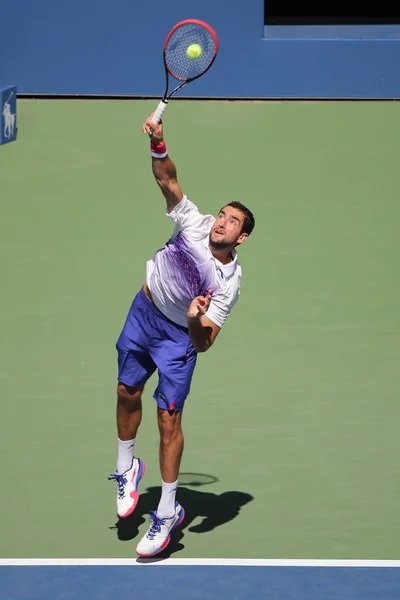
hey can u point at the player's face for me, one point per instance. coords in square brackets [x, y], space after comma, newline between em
[226, 231]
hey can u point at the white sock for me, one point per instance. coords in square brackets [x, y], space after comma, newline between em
[125, 455]
[166, 507]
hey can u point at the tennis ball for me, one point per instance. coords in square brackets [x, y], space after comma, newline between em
[194, 51]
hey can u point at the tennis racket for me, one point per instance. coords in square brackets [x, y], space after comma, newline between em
[185, 66]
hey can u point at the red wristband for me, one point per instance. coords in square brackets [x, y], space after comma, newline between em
[158, 151]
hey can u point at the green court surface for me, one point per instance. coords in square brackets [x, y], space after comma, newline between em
[292, 426]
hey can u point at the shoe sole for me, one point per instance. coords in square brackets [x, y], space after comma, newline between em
[135, 494]
[167, 540]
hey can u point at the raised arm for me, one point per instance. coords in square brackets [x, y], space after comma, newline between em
[164, 169]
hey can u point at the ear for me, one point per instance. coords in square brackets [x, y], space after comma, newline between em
[242, 238]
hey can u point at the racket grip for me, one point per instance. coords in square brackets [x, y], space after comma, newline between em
[160, 110]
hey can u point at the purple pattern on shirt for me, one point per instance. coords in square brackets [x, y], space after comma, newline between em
[185, 269]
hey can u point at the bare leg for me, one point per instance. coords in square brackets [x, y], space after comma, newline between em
[171, 444]
[129, 411]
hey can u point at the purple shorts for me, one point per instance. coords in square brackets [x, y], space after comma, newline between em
[150, 341]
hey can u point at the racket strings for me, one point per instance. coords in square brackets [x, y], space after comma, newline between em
[178, 63]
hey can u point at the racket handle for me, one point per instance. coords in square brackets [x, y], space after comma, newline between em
[160, 110]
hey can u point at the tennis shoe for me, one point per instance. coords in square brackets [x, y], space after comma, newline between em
[127, 487]
[158, 536]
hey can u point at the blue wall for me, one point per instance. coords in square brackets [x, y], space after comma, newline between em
[114, 47]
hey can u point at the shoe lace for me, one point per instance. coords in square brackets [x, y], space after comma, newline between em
[121, 483]
[155, 525]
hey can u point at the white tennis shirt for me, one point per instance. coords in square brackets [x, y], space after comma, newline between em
[185, 268]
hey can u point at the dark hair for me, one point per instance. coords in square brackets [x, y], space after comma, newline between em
[249, 220]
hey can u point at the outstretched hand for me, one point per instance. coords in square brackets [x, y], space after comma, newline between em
[154, 131]
[199, 305]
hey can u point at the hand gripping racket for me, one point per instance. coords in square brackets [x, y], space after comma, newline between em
[189, 51]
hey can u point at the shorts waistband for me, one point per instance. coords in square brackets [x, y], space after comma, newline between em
[150, 303]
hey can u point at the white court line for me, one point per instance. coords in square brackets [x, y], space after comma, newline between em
[198, 562]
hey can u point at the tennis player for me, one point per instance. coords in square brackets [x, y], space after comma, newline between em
[192, 284]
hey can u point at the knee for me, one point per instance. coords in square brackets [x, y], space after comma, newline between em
[169, 424]
[129, 396]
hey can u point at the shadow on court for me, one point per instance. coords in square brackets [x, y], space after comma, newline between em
[215, 510]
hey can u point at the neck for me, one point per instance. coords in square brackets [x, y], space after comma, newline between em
[224, 255]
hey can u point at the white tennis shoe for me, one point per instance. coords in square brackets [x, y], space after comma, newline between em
[158, 536]
[127, 487]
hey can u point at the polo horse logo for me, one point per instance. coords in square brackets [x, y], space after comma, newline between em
[9, 120]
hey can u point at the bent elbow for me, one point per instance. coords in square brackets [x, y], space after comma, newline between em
[202, 347]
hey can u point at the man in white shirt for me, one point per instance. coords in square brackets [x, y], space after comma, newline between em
[192, 284]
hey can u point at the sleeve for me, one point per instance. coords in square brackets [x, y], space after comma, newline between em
[189, 220]
[221, 305]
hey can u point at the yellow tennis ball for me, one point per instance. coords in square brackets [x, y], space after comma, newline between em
[194, 51]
